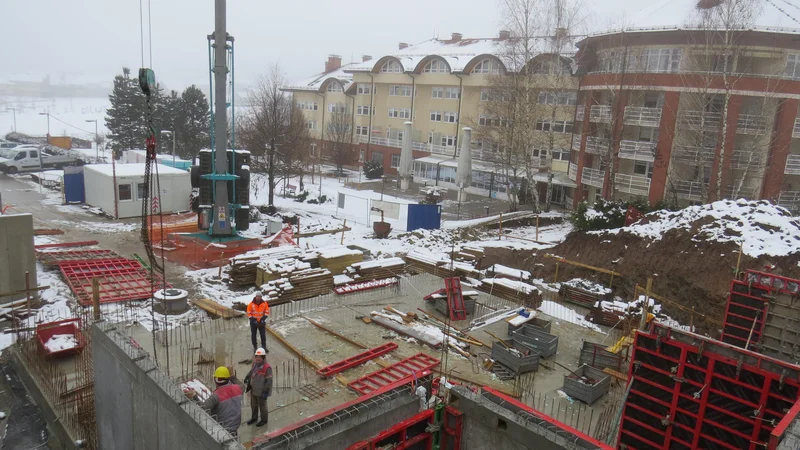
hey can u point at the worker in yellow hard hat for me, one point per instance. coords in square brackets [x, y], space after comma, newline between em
[225, 404]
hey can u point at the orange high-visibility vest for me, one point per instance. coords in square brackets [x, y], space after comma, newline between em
[257, 311]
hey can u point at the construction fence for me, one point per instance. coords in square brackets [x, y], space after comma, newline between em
[359, 210]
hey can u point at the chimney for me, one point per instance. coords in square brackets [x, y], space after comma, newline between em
[402, 45]
[504, 34]
[365, 58]
[455, 37]
[334, 62]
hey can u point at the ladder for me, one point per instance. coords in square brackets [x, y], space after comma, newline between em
[455, 299]
[398, 372]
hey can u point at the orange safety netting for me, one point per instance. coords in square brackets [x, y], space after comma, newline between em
[175, 223]
[199, 251]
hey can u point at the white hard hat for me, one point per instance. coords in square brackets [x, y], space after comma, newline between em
[261, 352]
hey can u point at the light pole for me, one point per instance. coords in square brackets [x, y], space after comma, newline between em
[174, 135]
[48, 124]
[96, 139]
[14, 112]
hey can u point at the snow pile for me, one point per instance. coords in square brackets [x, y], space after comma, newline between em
[759, 226]
[283, 266]
[59, 342]
[337, 251]
[588, 286]
[518, 286]
[509, 272]
[561, 312]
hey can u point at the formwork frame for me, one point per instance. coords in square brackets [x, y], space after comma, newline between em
[409, 433]
[120, 280]
[690, 391]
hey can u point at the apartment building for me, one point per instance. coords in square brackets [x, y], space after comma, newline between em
[686, 116]
[441, 86]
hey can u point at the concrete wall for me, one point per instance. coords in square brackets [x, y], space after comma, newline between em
[138, 407]
[16, 254]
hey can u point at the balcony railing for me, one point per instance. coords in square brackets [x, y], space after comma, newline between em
[568, 202]
[751, 124]
[573, 172]
[743, 159]
[796, 131]
[576, 143]
[700, 120]
[600, 113]
[596, 145]
[734, 192]
[642, 116]
[792, 165]
[593, 177]
[690, 190]
[693, 156]
[637, 150]
[632, 184]
[790, 200]
[579, 113]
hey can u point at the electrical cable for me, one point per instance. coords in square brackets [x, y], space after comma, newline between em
[141, 30]
[791, 4]
[783, 11]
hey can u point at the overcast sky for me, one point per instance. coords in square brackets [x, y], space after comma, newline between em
[95, 38]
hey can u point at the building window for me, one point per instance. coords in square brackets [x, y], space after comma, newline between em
[395, 161]
[361, 154]
[363, 110]
[560, 155]
[364, 89]
[643, 169]
[558, 98]
[436, 66]
[436, 116]
[793, 66]
[452, 93]
[448, 141]
[140, 188]
[437, 92]
[311, 124]
[556, 126]
[400, 91]
[308, 106]
[487, 66]
[125, 192]
[362, 131]
[335, 87]
[391, 66]
[659, 60]
[399, 113]
[484, 95]
[377, 156]
[337, 108]
[450, 117]
[313, 149]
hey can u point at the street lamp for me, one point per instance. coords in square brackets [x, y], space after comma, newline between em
[174, 135]
[48, 124]
[96, 139]
[14, 112]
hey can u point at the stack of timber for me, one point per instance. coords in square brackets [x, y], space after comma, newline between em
[337, 258]
[299, 285]
[516, 291]
[244, 267]
[581, 296]
[471, 253]
[275, 269]
[376, 270]
[606, 317]
[441, 266]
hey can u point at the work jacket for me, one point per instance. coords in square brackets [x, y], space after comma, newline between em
[225, 405]
[260, 378]
[257, 311]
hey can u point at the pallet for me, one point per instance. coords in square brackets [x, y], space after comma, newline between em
[356, 360]
[216, 309]
[613, 373]
[404, 370]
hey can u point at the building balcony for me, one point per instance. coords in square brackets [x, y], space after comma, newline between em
[579, 113]
[637, 150]
[790, 200]
[792, 165]
[734, 192]
[693, 156]
[600, 113]
[593, 177]
[751, 124]
[572, 173]
[690, 190]
[632, 184]
[576, 143]
[596, 145]
[700, 120]
[743, 159]
[568, 201]
[642, 116]
[796, 130]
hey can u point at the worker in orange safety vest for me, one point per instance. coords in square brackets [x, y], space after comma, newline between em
[258, 312]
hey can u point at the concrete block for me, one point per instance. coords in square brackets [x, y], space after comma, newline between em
[17, 255]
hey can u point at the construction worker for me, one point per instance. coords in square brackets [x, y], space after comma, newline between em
[225, 404]
[258, 312]
[259, 384]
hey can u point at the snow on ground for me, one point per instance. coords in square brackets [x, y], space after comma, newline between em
[101, 227]
[759, 226]
[590, 286]
[59, 342]
[68, 115]
[567, 314]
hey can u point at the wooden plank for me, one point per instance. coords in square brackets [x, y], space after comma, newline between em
[315, 364]
[615, 374]
[321, 232]
[212, 307]
[585, 266]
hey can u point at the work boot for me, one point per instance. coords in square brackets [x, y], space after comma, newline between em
[252, 421]
[262, 423]
[266, 350]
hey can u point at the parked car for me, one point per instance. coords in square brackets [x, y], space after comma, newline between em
[29, 158]
[8, 144]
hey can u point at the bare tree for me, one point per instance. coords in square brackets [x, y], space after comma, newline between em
[339, 132]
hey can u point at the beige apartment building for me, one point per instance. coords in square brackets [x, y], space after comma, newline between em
[441, 86]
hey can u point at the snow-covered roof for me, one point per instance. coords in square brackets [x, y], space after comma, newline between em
[763, 29]
[315, 82]
[131, 170]
[457, 54]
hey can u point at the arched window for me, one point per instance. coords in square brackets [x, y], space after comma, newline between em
[335, 87]
[391, 66]
[435, 66]
[488, 65]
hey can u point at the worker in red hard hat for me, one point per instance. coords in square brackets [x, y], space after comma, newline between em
[258, 312]
[225, 404]
[259, 384]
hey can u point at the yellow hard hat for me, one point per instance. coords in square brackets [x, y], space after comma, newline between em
[222, 372]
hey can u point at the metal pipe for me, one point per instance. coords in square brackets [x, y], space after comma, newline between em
[219, 218]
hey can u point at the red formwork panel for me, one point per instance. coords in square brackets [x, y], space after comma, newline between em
[356, 360]
[119, 280]
[779, 432]
[688, 391]
[405, 369]
[409, 433]
[745, 314]
[452, 428]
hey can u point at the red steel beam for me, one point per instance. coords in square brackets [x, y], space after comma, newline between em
[356, 360]
[403, 370]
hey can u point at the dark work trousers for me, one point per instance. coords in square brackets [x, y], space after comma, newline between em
[258, 403]
[262, 330]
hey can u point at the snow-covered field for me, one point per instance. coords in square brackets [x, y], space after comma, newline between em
[68, 115]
